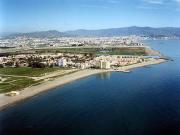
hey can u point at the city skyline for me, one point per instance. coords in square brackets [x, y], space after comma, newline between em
[64, 15]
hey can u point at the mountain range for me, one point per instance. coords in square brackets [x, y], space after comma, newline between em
[139, 31]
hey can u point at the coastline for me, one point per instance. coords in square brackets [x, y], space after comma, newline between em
[29, 92]
[143, 64]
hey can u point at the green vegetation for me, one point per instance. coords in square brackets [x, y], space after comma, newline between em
[26, 71]
[15, 83]
[19, 78]
[88, 50]
[128, 51]
[108, 50]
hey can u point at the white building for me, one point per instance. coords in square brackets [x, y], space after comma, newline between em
[62, 62]
[104, 64]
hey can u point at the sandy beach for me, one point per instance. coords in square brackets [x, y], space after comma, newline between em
[34, 90]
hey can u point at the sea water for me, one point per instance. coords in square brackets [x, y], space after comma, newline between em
[143, 102]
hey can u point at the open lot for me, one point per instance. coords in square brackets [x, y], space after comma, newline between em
[15, 83]
[98, 50]
[19, 78]
[123, 50]
[27, 71]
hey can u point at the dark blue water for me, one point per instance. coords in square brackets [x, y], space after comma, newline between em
[143, 102]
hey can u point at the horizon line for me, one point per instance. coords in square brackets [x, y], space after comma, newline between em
[64, 31]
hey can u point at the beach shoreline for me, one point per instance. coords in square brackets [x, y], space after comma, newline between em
[6, 101]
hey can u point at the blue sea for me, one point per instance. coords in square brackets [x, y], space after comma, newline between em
[143, 102]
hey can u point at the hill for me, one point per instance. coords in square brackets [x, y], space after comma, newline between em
[139, 31]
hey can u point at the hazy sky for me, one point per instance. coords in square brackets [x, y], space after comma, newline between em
[62, 15]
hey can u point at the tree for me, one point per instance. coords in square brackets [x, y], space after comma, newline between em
[1, 66]
[17, 65]
[37, 65]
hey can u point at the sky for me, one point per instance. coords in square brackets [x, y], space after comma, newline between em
[64, 15]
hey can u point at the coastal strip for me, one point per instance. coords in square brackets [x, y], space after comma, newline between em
[142, 64]
[28, 92]
[34, 90]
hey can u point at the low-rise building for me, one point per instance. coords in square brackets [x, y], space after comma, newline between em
[62, 62]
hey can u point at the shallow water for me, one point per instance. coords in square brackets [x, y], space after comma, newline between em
[143, 102]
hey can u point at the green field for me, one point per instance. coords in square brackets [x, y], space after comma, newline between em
[15, 83]
[87, 50]
[108, 50]
[27, 71]
[12, 78]
[19, 78]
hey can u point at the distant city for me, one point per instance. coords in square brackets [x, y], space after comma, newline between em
[25, 42]
[116, 36]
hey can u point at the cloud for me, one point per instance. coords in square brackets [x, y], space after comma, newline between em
[170, 5]
[160, 2]
[151, 4]
[178, 1]
[157, 2]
